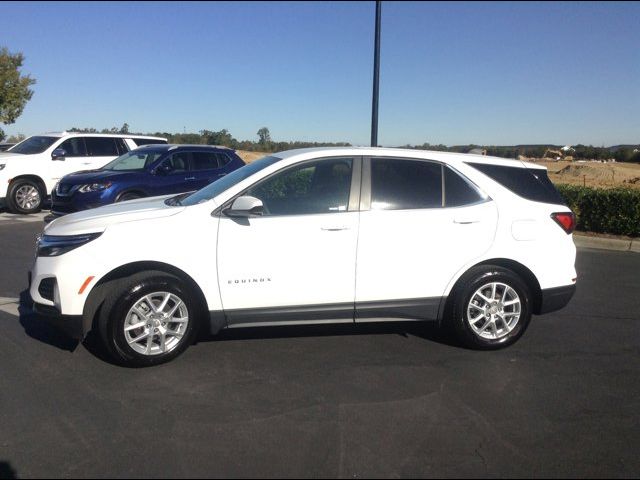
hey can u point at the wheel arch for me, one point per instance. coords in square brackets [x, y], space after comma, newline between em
[516, 267]
[34, 178]
[100, 290]
[141, 193]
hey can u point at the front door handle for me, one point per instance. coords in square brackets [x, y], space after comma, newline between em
[190, 178]
[465, 220]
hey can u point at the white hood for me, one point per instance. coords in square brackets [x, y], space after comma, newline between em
[98, 219]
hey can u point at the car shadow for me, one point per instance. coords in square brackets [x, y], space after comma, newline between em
[7, 471]
[37, 328]
[429, 331]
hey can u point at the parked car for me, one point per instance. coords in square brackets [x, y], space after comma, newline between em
[147, 171]
[30, 169]
[475, 242]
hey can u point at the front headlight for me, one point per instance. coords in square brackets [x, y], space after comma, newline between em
[94, 187]
[55, 245]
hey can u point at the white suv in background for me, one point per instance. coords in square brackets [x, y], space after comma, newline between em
[315, 236]
[30, 169]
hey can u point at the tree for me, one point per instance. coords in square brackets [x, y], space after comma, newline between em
[14, 87]
[124, 128]
[264, 136]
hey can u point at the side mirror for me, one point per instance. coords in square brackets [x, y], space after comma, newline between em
[58, 154]
[245, 207]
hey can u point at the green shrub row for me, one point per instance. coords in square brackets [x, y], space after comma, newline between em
[615, 211]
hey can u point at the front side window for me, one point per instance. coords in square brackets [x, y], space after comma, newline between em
[316, 187]
[74, 147]
[405, 184]
[33, 145]
[178, 162]
[101, 146]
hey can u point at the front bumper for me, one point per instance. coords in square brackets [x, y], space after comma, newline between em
[553, 299]
[71, 325]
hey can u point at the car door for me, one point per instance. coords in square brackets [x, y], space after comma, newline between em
[296, 262]
[206, 167]
[412, 242]
[75, 158]
[173, 175]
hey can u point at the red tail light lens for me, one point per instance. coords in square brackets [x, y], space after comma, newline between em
[566, 220]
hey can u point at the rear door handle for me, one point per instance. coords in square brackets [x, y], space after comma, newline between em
[334, 229]
[190, 178]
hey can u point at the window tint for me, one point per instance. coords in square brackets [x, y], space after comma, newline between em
[223, 159]
[405, 184]
[532, 184]
[179, 161]
[122, 147]
[148, 141]
[101, 146]
[459, 191]
[74, 147]
[204, 160]
[318, 187]
[33, 145]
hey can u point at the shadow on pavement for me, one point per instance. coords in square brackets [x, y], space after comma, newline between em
[7, 471]
[38, 329]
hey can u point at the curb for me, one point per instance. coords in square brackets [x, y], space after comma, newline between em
[603, 243]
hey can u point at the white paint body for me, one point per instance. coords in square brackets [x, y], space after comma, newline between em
[336, 258]
[50, 171]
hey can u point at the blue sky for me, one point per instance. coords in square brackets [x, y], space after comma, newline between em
[452, 73]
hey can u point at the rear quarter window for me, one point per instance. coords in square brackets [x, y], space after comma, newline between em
[148, 141]
[530, 183]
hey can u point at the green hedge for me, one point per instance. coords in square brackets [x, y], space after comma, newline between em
[615, 211]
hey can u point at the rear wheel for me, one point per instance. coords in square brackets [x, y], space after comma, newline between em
[24, 196]
[491, 308]
[148, 319]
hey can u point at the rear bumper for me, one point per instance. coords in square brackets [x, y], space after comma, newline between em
[553, 299]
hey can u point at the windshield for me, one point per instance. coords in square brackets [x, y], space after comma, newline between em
[133, 161]
[33, 145]
[216, 188]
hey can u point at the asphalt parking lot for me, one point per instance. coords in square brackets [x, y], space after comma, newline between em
[397, 400]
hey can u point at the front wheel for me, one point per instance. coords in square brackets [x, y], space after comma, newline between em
[491, 308]
[148, 320]
[24, 196]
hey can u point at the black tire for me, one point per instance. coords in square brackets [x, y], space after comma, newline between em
[127, 292]
[16, 188]
[128, 196]
[462, 294]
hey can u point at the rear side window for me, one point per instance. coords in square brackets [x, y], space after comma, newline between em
[530, 183]
[405, 184]
[148, 141]
[204, 161]
[223, 159]
[101, 146]
[459, 191]
[122, 148]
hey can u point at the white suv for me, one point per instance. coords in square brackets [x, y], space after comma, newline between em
[30, 169]
[315, 236]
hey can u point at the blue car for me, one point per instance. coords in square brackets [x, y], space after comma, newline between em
[147, 171]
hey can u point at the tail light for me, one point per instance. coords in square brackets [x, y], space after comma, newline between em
[566, 220]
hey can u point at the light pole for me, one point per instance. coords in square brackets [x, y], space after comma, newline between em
[376, 78]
